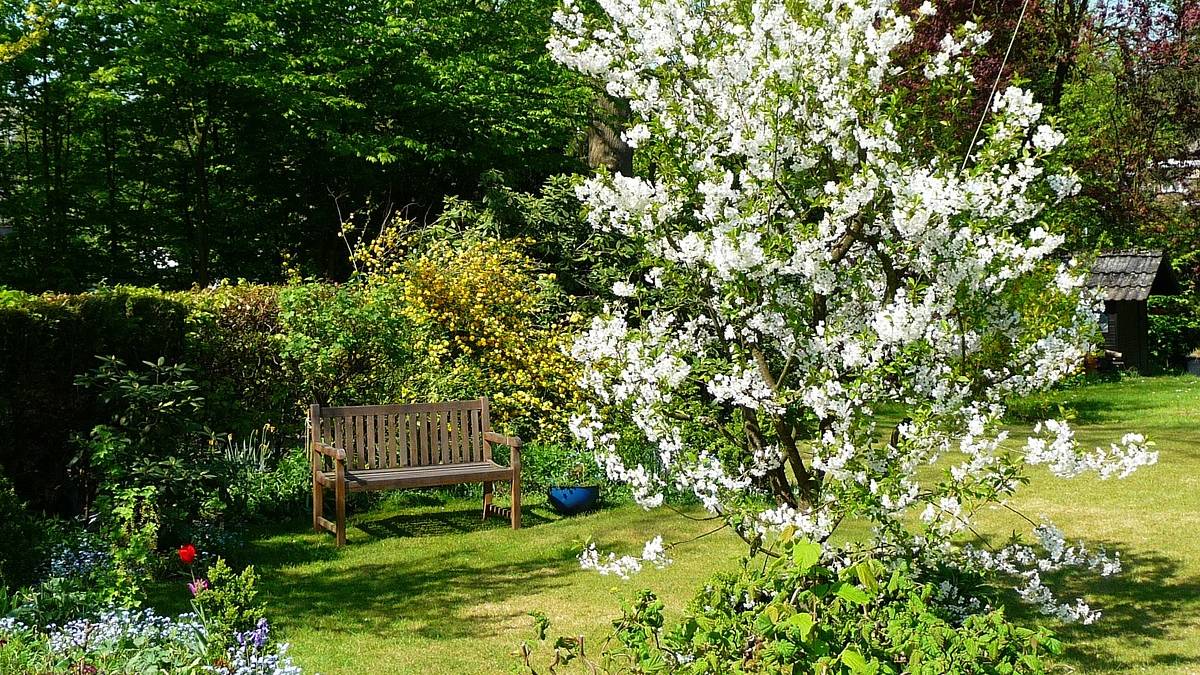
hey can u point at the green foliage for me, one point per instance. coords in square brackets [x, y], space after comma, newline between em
[439, 321]
[57, 600]
[552, 464]
[25, 538]
[171, 142]
[229, 603]
[130, 527]
[1174, 330]
[350, 343]
[795, 614]
[586, 262]
[150, 446]
[260, 486]
[45, 343]
[233, 343]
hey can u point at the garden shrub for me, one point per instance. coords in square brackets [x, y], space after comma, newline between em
[152, 438]
[490, 324]
[233, 343]
[585, 261]
[227, 600]
[556, 464]
[23, 537]
[349, 343]
[1174, 330]
[795, 614]
[425, 321]
[442, 322]
[261, 482]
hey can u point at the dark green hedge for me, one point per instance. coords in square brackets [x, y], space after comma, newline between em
[225, 335]
[45, 342]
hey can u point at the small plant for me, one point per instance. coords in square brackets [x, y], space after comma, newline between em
[546, 465]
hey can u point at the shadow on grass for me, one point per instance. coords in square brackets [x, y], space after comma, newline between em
[1146, 601]
[1097, 410]
[437, 523]
[400, 587]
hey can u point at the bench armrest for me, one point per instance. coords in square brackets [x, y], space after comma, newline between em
[336, 454]
[513, 442]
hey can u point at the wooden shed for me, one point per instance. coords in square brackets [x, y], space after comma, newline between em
[1127, 278]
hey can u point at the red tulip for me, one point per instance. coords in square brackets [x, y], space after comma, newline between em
[187, 553]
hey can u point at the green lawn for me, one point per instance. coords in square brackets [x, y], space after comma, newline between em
[428, 589]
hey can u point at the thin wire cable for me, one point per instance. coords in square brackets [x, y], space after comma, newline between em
[995, 86]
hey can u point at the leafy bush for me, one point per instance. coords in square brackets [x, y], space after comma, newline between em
[227, 601]
[442, 322]
[488, 323]
[1174, 330]
[151, 440]
[424, 320]
[550, 464]
[260, 484]
[350, 343]
[24, 539]
[233, 343]
[796, 614]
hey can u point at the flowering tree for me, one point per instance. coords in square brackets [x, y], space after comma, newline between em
[810, 264]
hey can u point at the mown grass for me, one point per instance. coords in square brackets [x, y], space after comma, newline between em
[427, 588]
[430, 589]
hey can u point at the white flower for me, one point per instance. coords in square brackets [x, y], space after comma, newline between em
[1046, 138]
[623, 289]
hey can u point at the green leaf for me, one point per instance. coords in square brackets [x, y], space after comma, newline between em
[805, 554]
[852, 593]
[803, 622]
[856, 662]
[867, 577]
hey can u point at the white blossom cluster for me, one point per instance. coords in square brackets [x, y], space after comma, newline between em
[653, 553]
[809, 261]
[960, 605]
[947, 60]
[1027, 565]
[1062, 455]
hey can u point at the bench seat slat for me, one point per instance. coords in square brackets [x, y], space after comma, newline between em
[422, 476]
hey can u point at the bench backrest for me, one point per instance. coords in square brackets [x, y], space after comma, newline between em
[398, 436]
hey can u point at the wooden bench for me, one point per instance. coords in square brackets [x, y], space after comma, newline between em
[387, 447]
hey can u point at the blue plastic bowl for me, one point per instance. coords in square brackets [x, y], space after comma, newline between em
[571, 500]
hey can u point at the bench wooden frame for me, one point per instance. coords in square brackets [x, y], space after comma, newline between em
[387, 447]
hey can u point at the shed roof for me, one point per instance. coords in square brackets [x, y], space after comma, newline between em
[1133, 274]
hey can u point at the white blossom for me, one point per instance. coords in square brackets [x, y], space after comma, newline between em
[811, 264]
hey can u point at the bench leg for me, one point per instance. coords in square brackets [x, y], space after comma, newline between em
[318, 504]
[516, 502]
[340, 494]
[488, 489]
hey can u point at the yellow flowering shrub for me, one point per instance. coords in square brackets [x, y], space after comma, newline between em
[483, 320]
[486, 315]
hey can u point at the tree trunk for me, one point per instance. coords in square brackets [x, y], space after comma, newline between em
[604, 144]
